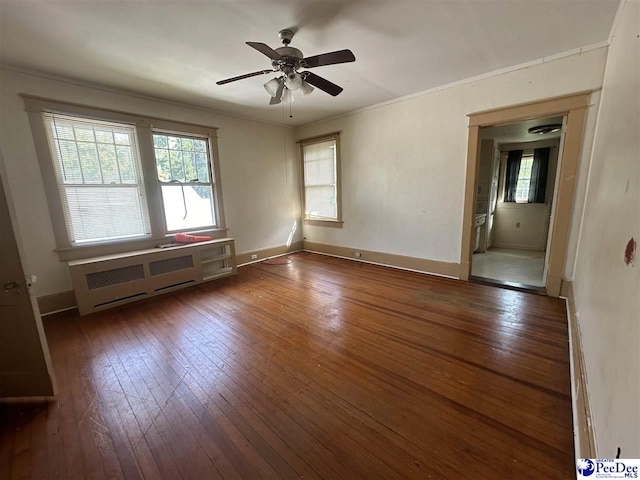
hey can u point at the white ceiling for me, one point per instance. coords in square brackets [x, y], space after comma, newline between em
[179, 49]
[518, 132]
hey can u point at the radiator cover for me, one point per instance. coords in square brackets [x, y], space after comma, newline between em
[104, 282]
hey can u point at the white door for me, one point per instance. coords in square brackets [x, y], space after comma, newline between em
[24, 359]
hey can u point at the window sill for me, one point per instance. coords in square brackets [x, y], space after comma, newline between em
[323, 222]
[100, 249]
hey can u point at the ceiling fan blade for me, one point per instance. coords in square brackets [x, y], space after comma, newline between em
[241, 77]
[340, 56]
[278, 96]
[322, 83]
[266, 50]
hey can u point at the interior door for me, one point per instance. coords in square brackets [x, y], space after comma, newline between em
[24, 359]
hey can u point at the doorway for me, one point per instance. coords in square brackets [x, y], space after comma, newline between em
[514, 196]
[573, 107]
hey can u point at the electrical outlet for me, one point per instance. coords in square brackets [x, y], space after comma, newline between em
[254, 256]
[357, 254]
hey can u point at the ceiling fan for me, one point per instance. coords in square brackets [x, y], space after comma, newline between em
[288, 60]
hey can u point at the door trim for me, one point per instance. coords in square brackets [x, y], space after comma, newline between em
[575, 108]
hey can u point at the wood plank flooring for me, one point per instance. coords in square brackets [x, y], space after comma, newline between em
[309, 367]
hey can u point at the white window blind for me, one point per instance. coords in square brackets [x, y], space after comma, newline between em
[320, 180]
[99, 178]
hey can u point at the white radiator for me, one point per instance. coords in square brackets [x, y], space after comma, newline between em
[104, 282]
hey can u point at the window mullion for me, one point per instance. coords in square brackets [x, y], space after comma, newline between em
[150, 178]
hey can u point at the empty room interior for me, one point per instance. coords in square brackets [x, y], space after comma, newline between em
[318, 239]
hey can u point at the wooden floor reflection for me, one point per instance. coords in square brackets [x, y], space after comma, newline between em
[307, 367]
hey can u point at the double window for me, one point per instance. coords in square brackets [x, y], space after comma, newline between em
[321, 175]
[124, 180]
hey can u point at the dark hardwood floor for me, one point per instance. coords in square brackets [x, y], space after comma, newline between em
[305, 367]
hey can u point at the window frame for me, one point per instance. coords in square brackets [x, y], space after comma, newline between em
[322, 221]
[65, 186]
[144, 127]
[211, 183]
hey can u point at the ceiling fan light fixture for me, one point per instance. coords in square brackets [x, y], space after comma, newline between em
[543, 129]
[293, 81]
[272, 86]
[305, 88]
[287, 96]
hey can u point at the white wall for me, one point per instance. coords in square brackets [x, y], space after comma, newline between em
[258, 166]
[531, 234]
[403, 163]
[606, 289]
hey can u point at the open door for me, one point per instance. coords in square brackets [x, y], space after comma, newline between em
[24, 359]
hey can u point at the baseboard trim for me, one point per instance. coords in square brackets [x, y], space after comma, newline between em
[244, 258]
[584, 435]
[57, 302]
[27, 400]
[414, 264]
[529, 248]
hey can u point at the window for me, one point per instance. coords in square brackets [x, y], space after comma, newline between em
[524, 179]
[117, 182]
[321, 167]
[99, 179]
[526, 176]
[183, 172]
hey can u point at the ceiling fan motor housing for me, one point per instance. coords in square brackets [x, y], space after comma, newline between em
[291, 57]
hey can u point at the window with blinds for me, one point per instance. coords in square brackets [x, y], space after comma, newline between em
[321, 187]
[99, 178]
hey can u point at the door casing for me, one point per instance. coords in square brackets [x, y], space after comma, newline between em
[575, 108]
